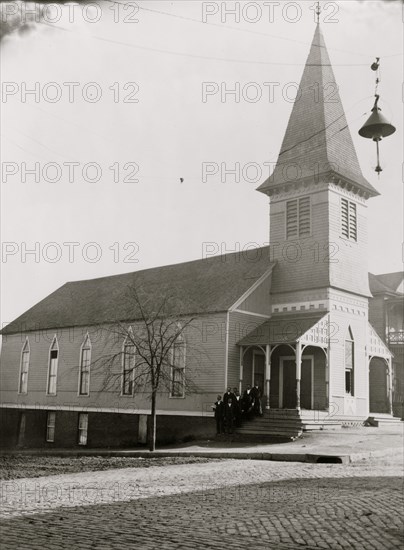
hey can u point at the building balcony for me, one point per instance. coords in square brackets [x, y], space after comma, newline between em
[395, 337]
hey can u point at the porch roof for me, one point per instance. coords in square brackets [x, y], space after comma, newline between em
[286, 329]
[376, 346]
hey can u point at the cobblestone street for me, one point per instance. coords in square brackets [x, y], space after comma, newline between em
[235, 503]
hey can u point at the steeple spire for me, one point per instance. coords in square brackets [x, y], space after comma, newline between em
[317, 144]
[318, 12]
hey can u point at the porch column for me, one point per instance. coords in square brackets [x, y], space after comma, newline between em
[327, 380]
[268, 373]
[298, 372]
[390, 386]
[240, 384]
[329, 365]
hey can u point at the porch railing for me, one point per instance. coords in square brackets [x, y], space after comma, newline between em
[395, 337]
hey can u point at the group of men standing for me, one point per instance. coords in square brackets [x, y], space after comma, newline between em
[230, 410]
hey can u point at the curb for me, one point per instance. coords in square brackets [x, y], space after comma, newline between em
[311, 458]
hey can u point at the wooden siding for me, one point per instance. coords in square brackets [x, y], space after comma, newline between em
[205, 367]
[300, 266]
[377, 316]
[378, 388]
[320, 397]
[259, 300]
[325, 258]
[240, 324]
[350, 270]
[340, 321]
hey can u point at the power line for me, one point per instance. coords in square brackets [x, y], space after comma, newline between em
[227, 60]
[35, 155]
[67, 121]
[41, 144]
[317, 133]
[238, 29]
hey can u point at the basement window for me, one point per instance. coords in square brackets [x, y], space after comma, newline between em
[50, 426]
[83, 428]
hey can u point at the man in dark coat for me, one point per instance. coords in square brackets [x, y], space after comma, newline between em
[247, 401]
[256, 397]
[237, 407]
[218, 407]
[228, 395]
[229, 415]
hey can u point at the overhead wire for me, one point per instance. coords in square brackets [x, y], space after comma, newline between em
[317, 133]
[41, 144]
[239, 29]
[213, 58]
[224, 59]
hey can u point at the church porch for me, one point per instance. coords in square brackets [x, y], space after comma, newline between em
[291, 375]
[287, 356]
[380, 381]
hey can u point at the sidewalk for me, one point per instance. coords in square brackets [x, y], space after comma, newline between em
[342, 446]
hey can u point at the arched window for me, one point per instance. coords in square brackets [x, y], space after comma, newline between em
[128, 365]
[349, 362]
[53, 367]
[178, 368]
[24, 366]
[84, 372]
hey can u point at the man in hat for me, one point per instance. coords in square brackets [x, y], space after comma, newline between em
[218, 408]
[229, 415]
[237, 407]
[247, 401]
[256, 396]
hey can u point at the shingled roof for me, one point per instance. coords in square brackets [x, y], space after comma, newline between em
[282, 329]
[317, 140]
[202, 286]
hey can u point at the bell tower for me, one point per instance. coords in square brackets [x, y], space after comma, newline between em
[318, 198]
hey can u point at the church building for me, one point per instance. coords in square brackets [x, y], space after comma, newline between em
[293, 317]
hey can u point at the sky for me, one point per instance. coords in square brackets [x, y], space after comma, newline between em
[133, 124]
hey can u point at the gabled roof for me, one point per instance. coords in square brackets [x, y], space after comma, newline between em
[202, 286]
[386, 283]
[279, 329]
[317, 140]
[391, 280]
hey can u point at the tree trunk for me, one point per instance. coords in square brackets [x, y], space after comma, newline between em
[152, 438]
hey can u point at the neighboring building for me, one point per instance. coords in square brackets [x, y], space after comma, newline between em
[49, 378]
[386, 313]
[293, 317]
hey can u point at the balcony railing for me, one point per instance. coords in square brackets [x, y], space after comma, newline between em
[395, 337]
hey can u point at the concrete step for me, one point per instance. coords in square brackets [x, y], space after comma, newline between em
[383, 419]
[265, 425]
[327, 425]
[279, 413]
[274, 422]
[317, 416]
[288, 422]
[270, 433]
[258, 438]
[281, 429]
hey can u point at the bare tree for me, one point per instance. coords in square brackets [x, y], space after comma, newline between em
[147, 355]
